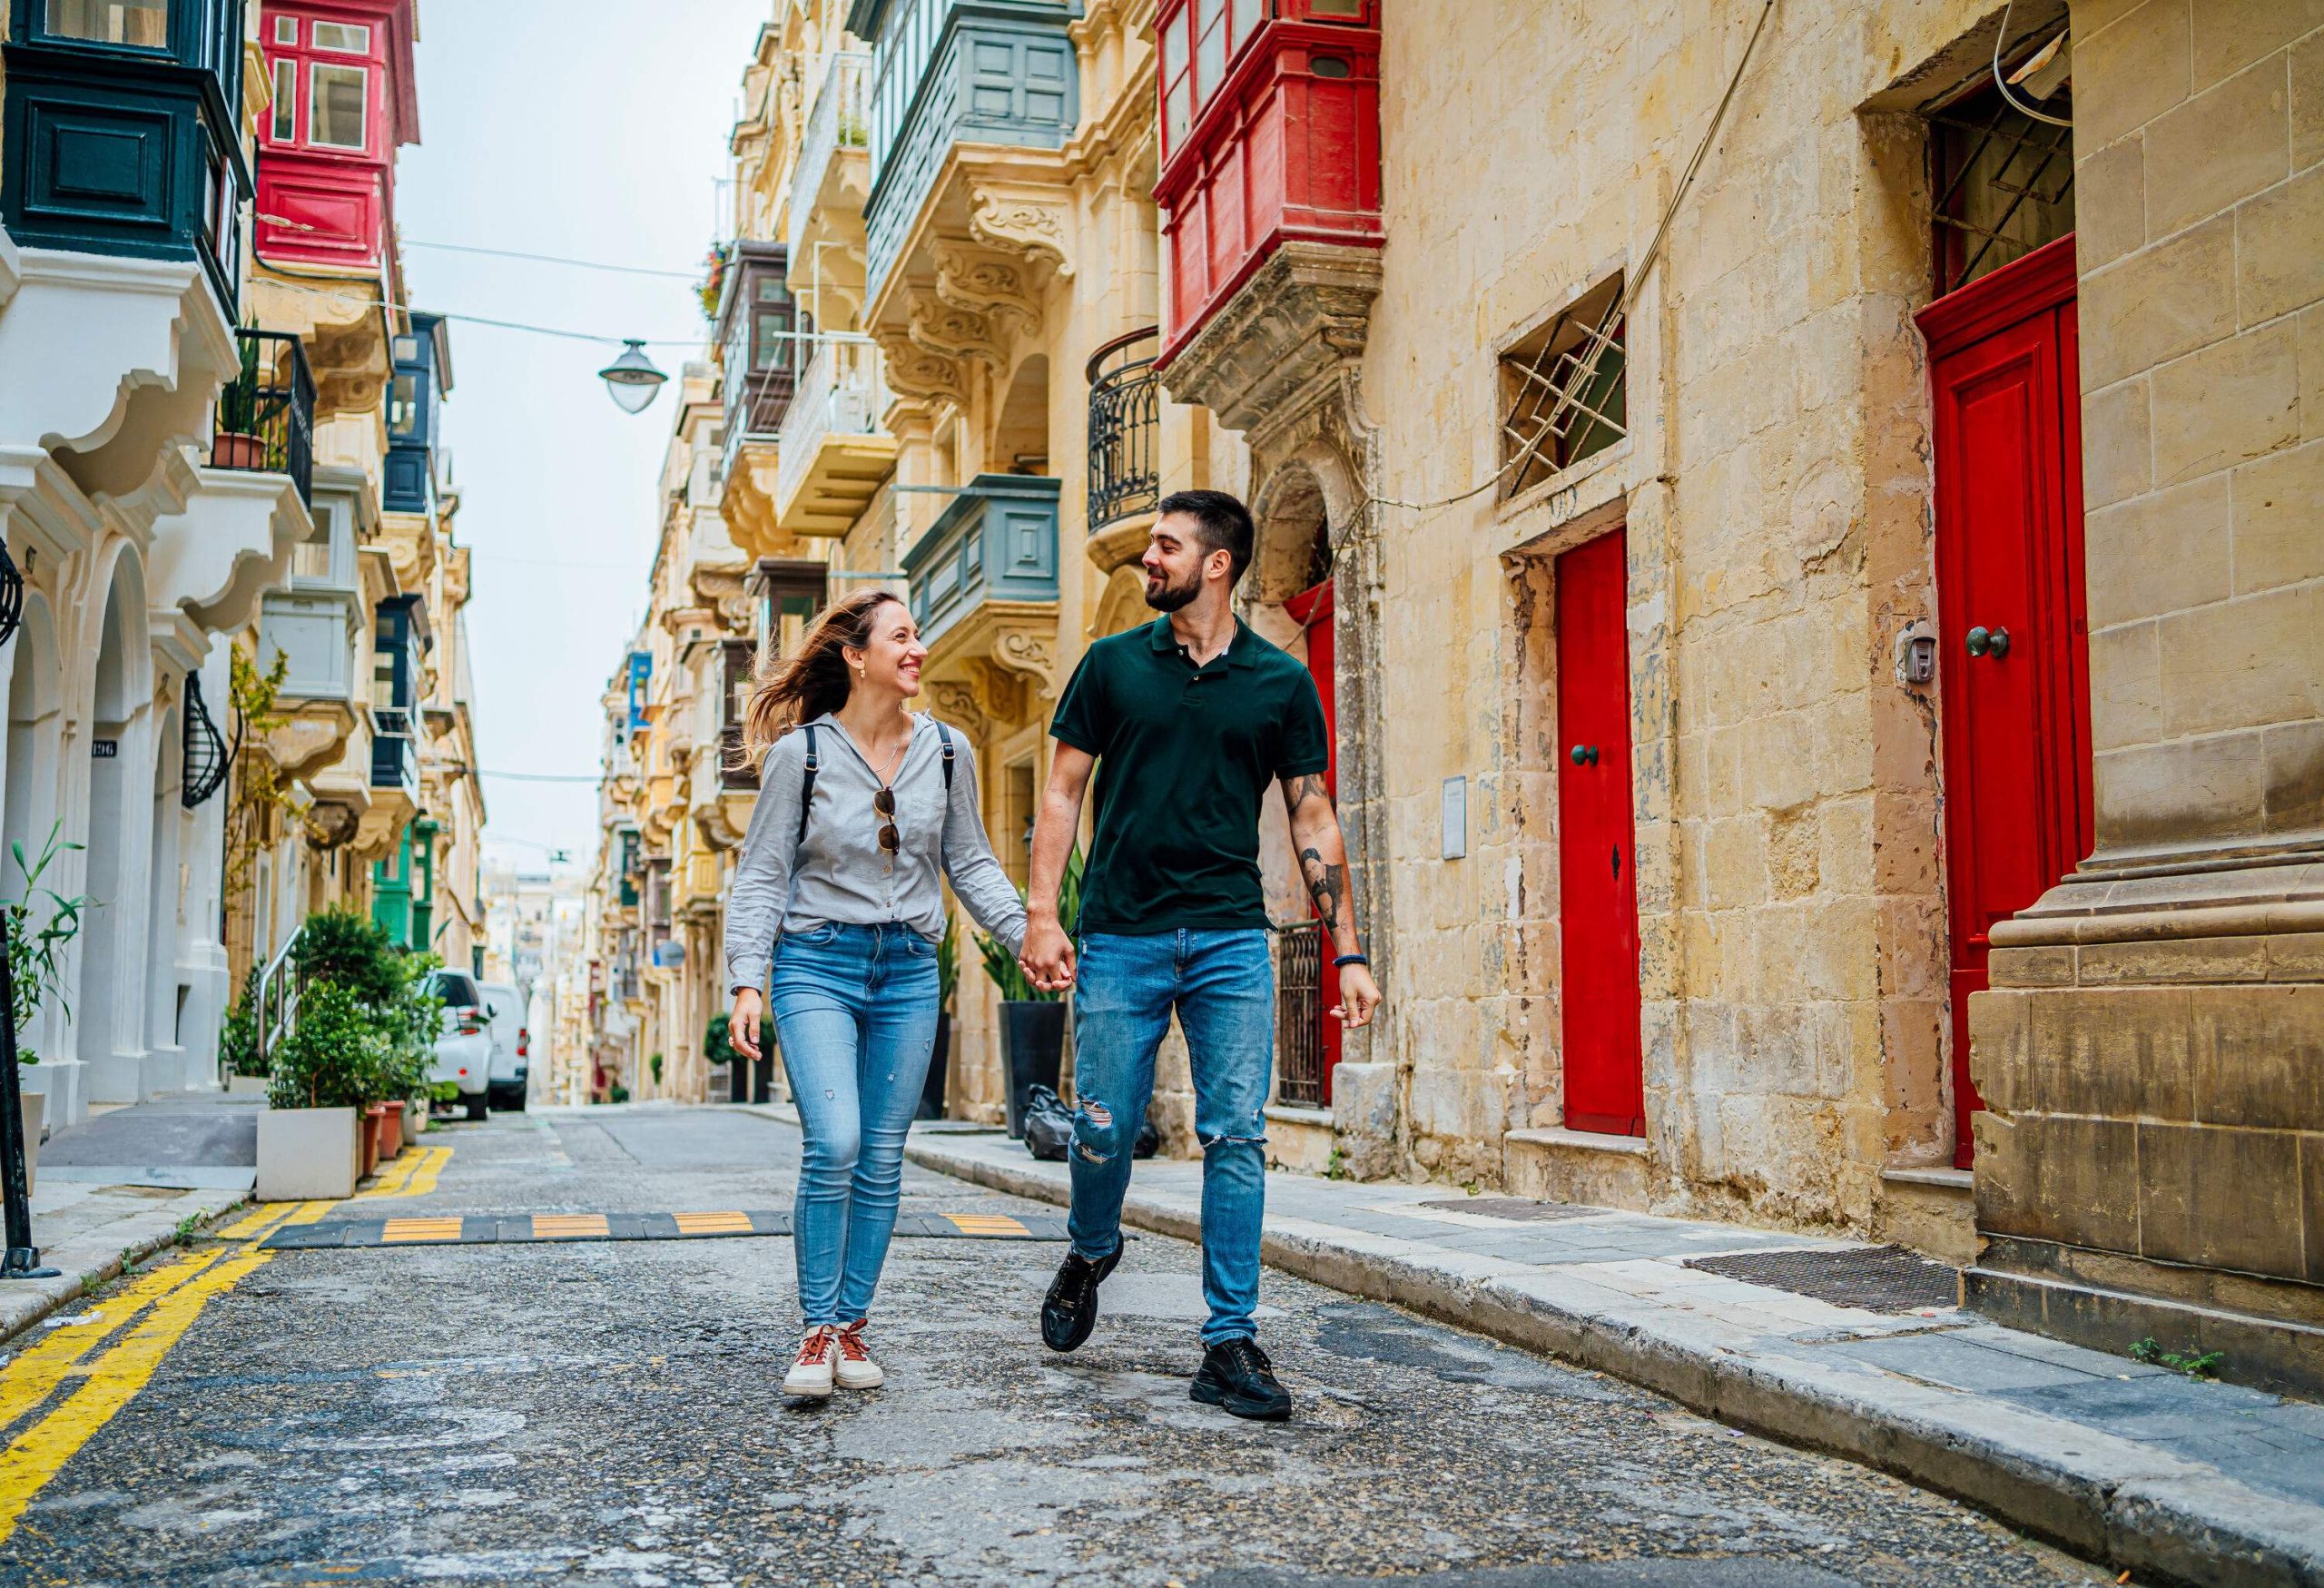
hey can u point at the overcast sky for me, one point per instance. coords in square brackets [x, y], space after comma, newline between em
[593, 129]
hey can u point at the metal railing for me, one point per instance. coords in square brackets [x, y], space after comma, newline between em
[1125, 418]
[839, 119]
[837, 395]
[1299, 1066]
[266, 413]
[277, 999]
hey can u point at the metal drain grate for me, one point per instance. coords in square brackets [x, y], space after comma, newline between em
[1877, 1278]
[1520, 1209]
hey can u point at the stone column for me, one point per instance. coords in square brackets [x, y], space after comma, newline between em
[2153, 1045]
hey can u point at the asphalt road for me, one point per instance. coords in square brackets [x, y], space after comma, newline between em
[609, 1414]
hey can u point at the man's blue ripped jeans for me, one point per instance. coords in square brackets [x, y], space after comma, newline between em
[1222, 985]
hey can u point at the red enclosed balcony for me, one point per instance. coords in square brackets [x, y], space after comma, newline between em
[1270, 130]
[342, 101]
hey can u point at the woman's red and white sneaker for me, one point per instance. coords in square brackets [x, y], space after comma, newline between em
[810, 1375]
[856, 1369]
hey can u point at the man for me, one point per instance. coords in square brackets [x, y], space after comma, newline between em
[1191, 717]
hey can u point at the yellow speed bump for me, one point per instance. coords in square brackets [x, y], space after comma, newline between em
[986, 1223]
[712, 1223]
[419, 1230]
[569, 1226]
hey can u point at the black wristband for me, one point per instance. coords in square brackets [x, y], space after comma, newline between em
[1346, 960]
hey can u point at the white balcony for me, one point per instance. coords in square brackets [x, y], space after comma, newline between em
[835, 121]
[831, 454]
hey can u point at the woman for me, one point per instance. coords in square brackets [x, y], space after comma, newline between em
[863, 808]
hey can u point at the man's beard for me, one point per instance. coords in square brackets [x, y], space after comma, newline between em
[1164, 596]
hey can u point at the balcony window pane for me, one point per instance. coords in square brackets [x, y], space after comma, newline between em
[286, 29]
[335, 108]
[1210, 50]
[1244, 23]
[403, 406]
[773, 342]
[1174, 48]
[1181, 114]
[142, 24]
[286, 101]
[351, 36]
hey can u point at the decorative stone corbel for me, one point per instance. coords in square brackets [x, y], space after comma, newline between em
[957, 703]
[951, 331]
[915, 372]
[984, 282]
[1024, 219]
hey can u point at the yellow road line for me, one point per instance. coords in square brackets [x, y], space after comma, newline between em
[392, 1183]
[412, 1175]
[549, 1224]
[712, 1223]
[112, 1380]
[423, 1178]
[36, 1371]
[399, 1230]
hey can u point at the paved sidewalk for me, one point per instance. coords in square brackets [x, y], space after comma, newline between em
[2127, 1464]
[116, 1189]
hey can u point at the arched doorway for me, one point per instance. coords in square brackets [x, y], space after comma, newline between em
[107, 1008]
[166, 899]
[34, 723]
[1293, 605]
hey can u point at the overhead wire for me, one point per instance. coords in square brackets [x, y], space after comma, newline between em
[1629, 287]
[555, 259]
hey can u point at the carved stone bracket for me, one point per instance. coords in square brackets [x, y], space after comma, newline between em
[1022, 218]
[915, 372]
[951, 331]
[956, 702]
[1277, 348]
[996, 285]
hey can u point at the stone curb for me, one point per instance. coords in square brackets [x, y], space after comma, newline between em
[25, 1302]
[2108, 1499]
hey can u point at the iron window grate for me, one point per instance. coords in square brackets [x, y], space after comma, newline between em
[1564, 391]
[1299, 1015]
[1873, 1278]
[2003, 184]
[205, 757]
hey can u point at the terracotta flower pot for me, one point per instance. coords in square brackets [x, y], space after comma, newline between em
[366, 1141]
[390, 1126]
[234, 450]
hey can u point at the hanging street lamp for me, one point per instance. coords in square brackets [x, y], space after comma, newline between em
[631, 379]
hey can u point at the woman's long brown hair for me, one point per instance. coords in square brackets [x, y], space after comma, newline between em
[812, 679]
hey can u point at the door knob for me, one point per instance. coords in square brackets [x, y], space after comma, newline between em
[1988, 641]
[1585, 754]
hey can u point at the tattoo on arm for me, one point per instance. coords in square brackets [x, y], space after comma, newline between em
[1307, 785]
[1327, 883]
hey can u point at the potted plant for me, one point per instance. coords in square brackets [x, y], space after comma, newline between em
[238, 1053]
[41, 923]
[1032, 1023]
[948, 980]
[308, 1145]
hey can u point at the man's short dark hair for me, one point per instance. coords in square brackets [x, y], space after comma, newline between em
[1226, 524]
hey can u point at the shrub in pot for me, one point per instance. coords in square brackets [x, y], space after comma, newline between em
[324, 1073]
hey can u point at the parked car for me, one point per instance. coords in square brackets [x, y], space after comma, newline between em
[511, 1042]
[464, 1051]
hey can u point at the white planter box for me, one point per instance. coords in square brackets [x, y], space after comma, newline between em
[415, 1120]
[306, 1153]
[246, 1086]
[34, 1111]
[58, 1080]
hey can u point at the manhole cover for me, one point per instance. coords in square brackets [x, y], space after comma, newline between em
[1519, 1208]
[1877, 1278]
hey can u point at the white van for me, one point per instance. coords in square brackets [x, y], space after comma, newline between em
[464, 1050]
[511, 1043]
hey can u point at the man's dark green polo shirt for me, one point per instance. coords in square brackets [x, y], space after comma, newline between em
[1185, 756]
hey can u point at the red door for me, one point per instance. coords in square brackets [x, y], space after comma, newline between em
[1313, 610]
[1605, 1088]
[2013, 656]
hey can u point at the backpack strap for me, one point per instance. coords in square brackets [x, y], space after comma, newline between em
[807, 783]
[945, 733]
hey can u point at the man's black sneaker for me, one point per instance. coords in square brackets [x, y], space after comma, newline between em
[1237, 1374]
[1069, 1311]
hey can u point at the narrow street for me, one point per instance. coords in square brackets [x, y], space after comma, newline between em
[606, 1413]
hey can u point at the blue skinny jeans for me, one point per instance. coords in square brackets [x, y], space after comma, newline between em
[1222, 985]
[855, 1016]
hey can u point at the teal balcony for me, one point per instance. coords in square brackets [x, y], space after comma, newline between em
[947, 72]
[988, 564]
